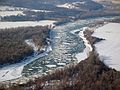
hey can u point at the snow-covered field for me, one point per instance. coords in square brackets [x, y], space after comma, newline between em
[9, 13]
[10, 10]
[109, 49]
[67, 5]
[71, 5]
[4, 8]
[113, 1]
[4, 25]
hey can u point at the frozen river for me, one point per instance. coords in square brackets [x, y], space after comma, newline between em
[65, 45]
[68, 47]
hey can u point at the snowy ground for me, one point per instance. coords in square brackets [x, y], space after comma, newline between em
[88, 48]
[9, 13]
[67, 5]
[113, 1]
[71, 5]
[32, 44]
[4, 25]
[109, 49]
[10, 10]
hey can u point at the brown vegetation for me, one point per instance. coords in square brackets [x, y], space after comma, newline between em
[12, 42]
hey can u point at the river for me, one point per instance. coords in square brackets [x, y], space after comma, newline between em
[65, 46]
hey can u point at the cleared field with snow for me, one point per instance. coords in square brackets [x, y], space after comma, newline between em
[4, 25]
[71, 5]
[67, 5]
[109, 49]
[113, 1]
[10, 10]
[9, 13]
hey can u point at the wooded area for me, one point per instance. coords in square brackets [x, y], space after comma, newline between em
[12, 42]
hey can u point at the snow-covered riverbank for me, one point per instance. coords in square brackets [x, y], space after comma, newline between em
[109, 49]
[88, 48]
